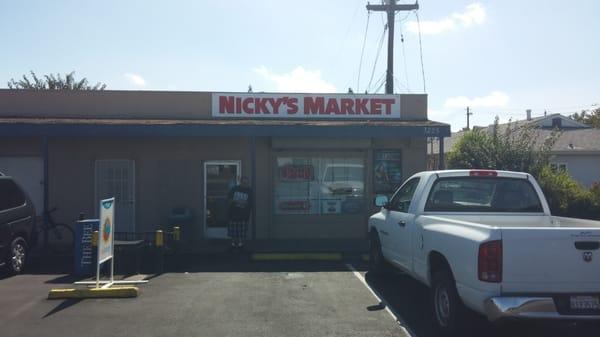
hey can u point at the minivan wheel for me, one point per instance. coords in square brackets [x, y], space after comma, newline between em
[448, 310]
[18, 255]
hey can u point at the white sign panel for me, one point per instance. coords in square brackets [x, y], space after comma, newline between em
[305, 106]
[106, 230]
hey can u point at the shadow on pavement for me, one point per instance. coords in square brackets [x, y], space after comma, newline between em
[62, 306]
[410, 300]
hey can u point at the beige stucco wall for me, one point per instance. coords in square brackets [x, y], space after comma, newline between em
[138, 104]
[169, 173]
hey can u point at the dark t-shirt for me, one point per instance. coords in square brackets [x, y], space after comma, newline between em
[240, 203]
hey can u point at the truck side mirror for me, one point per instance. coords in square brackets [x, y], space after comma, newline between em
[381, 201]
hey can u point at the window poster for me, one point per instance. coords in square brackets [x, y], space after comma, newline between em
[387, 170]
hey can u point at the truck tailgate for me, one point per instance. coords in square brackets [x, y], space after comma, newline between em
[561, 258]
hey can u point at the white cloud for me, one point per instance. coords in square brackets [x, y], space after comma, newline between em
[135, 79]
[298, 80]
[473, 14]
[493, 100]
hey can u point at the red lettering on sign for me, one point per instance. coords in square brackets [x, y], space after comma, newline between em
[347, 105]
[314, 105]
[332, 107]
[246, 105]
[292, 104]
[260, 106]
[277, 103]
[375, 107]
[238, 105]
[388, 105]
[361, 106]
[226, 104]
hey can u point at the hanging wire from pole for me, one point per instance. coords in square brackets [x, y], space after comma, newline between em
[362, 52]
[377, 55]
[421, 51]
[380, 82]
[404, 58]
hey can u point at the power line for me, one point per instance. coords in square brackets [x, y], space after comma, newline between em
[362, 52]
[404, 58]
[421, 51]
[379, 82]
[377, 55]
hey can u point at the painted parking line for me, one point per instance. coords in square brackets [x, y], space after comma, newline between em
[381, 300]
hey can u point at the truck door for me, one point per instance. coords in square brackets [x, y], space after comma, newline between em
[399, 223]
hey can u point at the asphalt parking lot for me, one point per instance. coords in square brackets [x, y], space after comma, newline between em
[231, 297]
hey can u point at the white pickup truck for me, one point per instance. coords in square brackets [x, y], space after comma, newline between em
[486, 240]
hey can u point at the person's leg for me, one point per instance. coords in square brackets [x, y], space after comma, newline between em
[243, 231]
[231, 232]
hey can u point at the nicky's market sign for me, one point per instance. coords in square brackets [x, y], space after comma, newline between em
[305, 106]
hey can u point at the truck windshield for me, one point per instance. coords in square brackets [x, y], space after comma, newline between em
[483, 194]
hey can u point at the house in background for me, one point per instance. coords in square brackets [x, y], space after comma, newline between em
[576, 151]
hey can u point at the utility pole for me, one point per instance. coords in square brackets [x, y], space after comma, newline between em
[469, 119]
[391, 7]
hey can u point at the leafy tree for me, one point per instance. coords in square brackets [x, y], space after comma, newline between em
[590, 118]
[54, 82]
[511, 147]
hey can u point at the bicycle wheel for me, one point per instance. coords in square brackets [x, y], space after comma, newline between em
[61, 239]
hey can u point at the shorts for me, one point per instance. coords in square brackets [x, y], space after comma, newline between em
[237, 229]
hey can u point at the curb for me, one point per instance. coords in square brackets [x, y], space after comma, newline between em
[117, 292]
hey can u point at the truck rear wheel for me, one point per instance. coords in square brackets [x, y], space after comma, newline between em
[448, 310]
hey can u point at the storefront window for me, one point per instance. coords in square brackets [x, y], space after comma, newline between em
[319, 185]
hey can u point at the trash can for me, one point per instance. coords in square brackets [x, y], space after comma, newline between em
[85, 253]
[128, 256]
[182, 217]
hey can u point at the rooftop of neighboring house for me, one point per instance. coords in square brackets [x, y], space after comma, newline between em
[575, 137]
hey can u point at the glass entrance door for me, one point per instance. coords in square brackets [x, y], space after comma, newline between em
[219, 178]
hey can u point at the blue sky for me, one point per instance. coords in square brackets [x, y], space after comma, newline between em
[499, 57]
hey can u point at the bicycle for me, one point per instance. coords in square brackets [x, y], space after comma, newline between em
[58, 237]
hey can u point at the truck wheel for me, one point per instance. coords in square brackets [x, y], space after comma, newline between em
[448, 310]
[18, 255]
[377, 263]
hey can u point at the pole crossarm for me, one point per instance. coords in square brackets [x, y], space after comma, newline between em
[383, 8]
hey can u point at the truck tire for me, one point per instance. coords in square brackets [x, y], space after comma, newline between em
[18, 255]
[377, 263]
[448, 309]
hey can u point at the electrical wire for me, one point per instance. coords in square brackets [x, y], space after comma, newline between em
[379, 83]
[377, 55]
[362, 52]
[421, 51]
[404, 59]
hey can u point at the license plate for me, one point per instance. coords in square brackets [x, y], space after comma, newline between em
[585, 303]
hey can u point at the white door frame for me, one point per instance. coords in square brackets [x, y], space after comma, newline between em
[217, 233]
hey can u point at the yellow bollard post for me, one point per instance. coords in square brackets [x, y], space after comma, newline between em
[176, 233]
[159, 239]
[95, 239]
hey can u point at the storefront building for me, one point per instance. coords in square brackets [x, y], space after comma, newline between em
[315, 161]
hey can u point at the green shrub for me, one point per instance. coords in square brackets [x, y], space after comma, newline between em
[566, 197]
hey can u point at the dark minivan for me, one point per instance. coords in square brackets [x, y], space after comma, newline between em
[17, 223]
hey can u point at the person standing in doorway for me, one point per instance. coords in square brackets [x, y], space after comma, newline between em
[240, 206]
